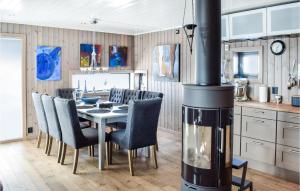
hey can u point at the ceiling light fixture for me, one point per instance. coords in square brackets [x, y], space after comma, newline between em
[189, 29]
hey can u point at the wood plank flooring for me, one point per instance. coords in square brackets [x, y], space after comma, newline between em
[24, 167]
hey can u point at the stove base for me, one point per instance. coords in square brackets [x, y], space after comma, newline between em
[185, 186]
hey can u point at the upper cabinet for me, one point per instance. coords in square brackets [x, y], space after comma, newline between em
[248, 24]
[283, 19]
[225, 27]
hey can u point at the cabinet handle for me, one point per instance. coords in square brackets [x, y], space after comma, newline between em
[255, 143]
[260, 121]
[259, 112]
[292, 151]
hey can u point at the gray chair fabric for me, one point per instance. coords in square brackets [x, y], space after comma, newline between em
[52, 118]
[131, 95]
[1, 186]
[72, 134]
[141, 126]
[40, 113]
[151, 95]
[116, 95]
[66, 93]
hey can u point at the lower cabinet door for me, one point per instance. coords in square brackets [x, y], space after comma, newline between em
[236, 145]
[258, 150]
[288, 134]
[288, 158]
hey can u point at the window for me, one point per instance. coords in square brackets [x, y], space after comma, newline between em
[246, 65]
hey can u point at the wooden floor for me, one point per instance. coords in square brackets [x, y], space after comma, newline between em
[24, 167]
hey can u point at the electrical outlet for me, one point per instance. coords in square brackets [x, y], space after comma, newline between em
[30, 130]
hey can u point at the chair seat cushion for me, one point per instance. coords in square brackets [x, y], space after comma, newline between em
[91, 136]
[118, 137]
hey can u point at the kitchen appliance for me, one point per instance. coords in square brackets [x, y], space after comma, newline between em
[240, 90]
[263, 94]
[296, 100]
[207, 110]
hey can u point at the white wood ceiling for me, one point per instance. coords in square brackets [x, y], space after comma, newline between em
[117, 16]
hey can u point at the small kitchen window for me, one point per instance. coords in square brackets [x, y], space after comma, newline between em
[247, 63]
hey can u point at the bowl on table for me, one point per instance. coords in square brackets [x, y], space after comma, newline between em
[90, 100]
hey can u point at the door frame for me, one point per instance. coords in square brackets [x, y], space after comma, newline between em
[22, 37]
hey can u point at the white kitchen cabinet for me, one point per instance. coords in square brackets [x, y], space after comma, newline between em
[248, 24]
[283, 19]
[225, 27]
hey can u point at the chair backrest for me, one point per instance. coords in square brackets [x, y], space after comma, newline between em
[51, 116]
[142, 123]
[131, 95]
[151, 95]
[69, 122]
[66, 93]
[116, 95]
[40, 112]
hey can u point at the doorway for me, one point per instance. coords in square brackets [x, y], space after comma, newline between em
[12, 88]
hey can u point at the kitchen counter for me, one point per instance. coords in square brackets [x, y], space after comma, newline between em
[269, 106]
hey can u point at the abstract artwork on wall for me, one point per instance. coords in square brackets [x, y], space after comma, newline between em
[166, 63]
[118, 56]
[48, 61]
[86, 55]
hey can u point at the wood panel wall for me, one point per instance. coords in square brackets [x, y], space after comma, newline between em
[170, 117]
[276, 69]
[69, 40]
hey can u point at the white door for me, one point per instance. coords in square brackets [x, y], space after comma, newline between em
[11, 116]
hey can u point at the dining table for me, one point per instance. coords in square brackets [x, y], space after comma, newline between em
[117, 113]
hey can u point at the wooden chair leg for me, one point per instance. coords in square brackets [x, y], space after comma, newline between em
[63, 153]
[107, 150]
[154, 155]
[134, 153]
[39, 139]
[60, 145]
[90, 150]
[47, 143]
[110, 152]
[75, 162]
[130, 162]
[93, 150]
[149, 153]
[156, 145]
[50, 145]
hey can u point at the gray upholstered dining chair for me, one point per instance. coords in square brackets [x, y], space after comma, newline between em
[66, 93]
[131, 95]
[141, 128]
[72, 134]
[41, 119]
[151, 95]
[116, 95]
[53, 123]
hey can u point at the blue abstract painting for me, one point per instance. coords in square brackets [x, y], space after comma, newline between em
[117, 56]
[48, 60]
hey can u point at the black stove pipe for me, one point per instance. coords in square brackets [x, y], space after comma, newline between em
[208, 42]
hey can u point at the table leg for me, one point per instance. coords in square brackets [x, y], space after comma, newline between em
[101, 147]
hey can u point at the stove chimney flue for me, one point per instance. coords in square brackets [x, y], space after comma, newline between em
[208, 42]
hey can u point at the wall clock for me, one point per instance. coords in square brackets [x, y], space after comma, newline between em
[277, 47]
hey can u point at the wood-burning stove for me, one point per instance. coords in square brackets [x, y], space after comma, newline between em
[207, 127]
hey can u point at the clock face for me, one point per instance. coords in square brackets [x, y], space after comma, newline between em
[277, 47]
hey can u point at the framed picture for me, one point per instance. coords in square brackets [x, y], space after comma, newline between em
[118, 56]
[166, 63]
[86, 55]
[48, 63]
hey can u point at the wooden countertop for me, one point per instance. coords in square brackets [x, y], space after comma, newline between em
[269, 106]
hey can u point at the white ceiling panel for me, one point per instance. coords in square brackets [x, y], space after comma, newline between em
[116, 16]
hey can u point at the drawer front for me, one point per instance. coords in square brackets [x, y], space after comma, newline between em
[261, 113]
[289, 117]
[263, 129]
[237, 124]
[236, 145]
[288, 134]
[288, 158]
[258, 150]
[237, 110]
